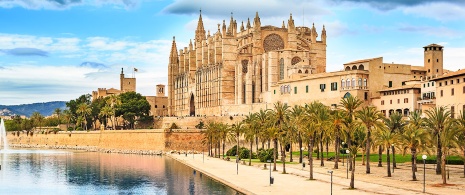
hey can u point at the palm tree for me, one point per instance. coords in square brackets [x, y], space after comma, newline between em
[280, 118]
[414, 138]
[309, 127]
[68, 117]
[237, 128]
[84, 110]
[449, 139]
[395, 124]
[250, 132]
[262, 119]
[337, 118]
[297, 114]
[113, 101]
[349, 105]
[370, 118]
[437, 119]
[355, 135]
[385, 137]
[323, 125]
[461, 126]
[105, 112]
[223, 134]
[37, 119]
[57, 111]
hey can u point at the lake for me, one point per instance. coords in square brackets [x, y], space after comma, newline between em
[75, 172]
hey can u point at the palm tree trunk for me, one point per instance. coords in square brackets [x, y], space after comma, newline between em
[414, 163]
[352, 173]
[327, 148]
[318, 151]
[394, 165]
[310, 157]
[223, 147]
[283, 157]
[290, 153]
[336, 159]
[363, 156]
[438, 156]
[322, 154]
[368, 151]
[380, 156]
[388, 159]
[250, 153]
[300, 149]
[443, 168]
[275, 142]
[256, 143]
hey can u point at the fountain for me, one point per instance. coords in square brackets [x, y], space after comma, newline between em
[3, 138]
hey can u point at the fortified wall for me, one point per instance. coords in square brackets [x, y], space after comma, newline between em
[120, 140]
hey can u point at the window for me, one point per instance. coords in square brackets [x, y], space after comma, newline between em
[463, 89]
[403, 83]
[348, 83]
[442, 93]
[281, 69]
[365, 82]
[353, 83]
[390, 101]
[274, 91]
[432, 83]
[440, 84]
[382, 102]
[428, 85]
[334, 86]
[366, 95]
[163, 106]
[405, 100]
[452, 111]
[451, 82]
[156, 106]
[390, 84]
[452, 91]
[359, 82]
[295, 90]
[342, 83]
[398, 101]
[306, 89]
[445, 82]
[424, 85]
[458, 81]
[322, 87]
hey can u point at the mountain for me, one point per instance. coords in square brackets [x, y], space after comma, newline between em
[45, 108]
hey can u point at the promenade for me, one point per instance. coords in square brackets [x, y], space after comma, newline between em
[255, 180]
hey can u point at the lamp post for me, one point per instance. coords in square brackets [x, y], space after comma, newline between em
[424, 173]
[342, 154]
[347, 167]
[331, 172]
[269, 161]
[301, 158]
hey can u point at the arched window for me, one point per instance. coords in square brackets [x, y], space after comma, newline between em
[281, 69]
[354, 67]
[300, 72]
[306, 71]
[365, 82]
[295, 60]
[347, 95]
[343, 83]
[348, 83]
[353, 83]
[359, 82]
[361, 67]
[347, 68]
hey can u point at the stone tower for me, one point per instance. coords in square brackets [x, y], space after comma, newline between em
[127, 84]
[160, 90]
[433, 60]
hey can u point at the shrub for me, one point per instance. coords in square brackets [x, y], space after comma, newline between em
[265, 154]
[79, 129]
[201, 125]
[174, 126]
[243, 152]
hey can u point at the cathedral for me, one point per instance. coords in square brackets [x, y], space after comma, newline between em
[232, 71]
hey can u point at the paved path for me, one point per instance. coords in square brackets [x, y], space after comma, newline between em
[255, 180]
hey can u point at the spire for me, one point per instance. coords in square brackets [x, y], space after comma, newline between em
[323, 34]
[242, 26]
[256, 21]
[290, 22]
[191, 47]
[122, 71]
[284, 25]
[174, 52]
[200, 32]
[248, 23]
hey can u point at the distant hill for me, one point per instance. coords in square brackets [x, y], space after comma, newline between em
[46, 108]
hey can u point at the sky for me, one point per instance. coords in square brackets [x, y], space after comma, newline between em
[57, 50]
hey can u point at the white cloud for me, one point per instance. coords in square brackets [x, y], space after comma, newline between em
[65, 4]
[61, 45]
[441, 11]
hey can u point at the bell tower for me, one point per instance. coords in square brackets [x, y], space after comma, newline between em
[433, 60]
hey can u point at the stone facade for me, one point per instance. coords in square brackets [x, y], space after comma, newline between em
[231, 71]
[237, 72]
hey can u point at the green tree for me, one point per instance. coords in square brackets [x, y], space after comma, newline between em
[337, 118]
[370, 117]
[297, 116]
[437, 119]
[68, 117]
[250, 131]
[449, 140]
[73, 105]
[113, 101]
[133, 106]
[395, 124]
[37, 119]
[461, 127]
[280, 118]
[385, 137]
[84, 110]
[96, 107]
[106, 112]
[57, 112]
[414, 138]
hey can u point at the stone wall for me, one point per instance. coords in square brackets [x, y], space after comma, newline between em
[146, 140]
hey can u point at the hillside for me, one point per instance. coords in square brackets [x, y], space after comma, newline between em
[45, 108]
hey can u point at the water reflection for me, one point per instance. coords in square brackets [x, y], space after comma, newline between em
[100, 173]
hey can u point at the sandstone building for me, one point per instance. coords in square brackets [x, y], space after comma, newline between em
[235, 72]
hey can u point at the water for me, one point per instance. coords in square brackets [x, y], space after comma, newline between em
[63, 172]
[3, 138]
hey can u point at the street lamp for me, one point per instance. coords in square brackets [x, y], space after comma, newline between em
[331, 172]
[269, 161]
[301, 151]
[347, 167]
[424, 174]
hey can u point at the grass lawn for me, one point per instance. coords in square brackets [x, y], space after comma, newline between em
[374, 156]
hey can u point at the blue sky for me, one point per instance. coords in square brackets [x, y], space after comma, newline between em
[54, 50]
